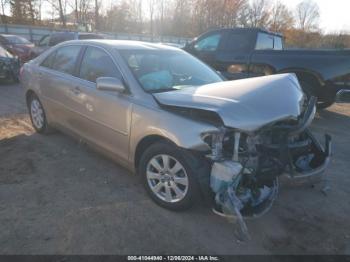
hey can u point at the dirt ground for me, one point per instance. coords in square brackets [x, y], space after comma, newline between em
[59, 197]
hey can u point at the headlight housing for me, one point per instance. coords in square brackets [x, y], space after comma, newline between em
[215, 141]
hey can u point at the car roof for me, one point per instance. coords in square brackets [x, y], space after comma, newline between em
[73, 33]
[123, 44]
[7, 35]
[246, 29]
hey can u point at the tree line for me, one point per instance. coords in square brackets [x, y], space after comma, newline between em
[185, 18]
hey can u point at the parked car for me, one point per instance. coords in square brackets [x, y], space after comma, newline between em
[17, 45]
[170, 118]
[53, 39]
[173, 44]
[9, 65]
[244, 52]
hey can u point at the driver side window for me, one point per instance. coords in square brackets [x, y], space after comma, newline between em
[210, 43]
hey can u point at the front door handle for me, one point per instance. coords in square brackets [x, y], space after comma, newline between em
[76, 90]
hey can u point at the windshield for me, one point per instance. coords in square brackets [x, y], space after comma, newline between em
[164, 70]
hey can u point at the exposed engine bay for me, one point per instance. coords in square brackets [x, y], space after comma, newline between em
[246, 167]
[260, 135]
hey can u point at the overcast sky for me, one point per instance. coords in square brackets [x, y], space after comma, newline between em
[335, 14]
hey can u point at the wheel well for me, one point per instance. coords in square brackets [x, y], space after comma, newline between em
[28, 95]
[144, 144]
[308, 77]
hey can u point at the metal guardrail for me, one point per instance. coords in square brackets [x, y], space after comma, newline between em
[35, 33]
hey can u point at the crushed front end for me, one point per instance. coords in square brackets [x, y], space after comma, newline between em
[246, 166]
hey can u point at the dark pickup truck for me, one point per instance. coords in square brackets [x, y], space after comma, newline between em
[248, 52]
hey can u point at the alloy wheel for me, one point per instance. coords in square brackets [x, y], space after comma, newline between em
[167, 178]
[37, 114]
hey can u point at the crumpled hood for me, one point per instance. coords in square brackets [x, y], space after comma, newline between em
[247, 104]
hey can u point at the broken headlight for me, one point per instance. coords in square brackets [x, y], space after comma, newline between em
[215, 141]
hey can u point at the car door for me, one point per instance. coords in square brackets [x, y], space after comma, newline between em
[206, 48]
[105, 115]
[235, 53]
[57, 85]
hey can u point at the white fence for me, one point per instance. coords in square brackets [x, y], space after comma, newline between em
[34, 33]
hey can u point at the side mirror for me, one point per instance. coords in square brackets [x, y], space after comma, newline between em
[110, 84]
[343, 96]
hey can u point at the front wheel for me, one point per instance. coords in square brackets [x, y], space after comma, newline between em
[169, 176]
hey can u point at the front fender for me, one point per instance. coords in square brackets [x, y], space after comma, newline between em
[182, 131]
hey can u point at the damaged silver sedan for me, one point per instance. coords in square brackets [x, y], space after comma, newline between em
[167, 116]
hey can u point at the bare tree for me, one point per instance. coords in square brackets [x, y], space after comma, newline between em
[259, 13]
[60, 6]
[32, 10]
[63, 19]
[152, 7]
[307, 15]
[97, 9]
[4, 3]
[281, 18]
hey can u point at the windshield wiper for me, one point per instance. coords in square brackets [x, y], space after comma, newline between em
[161, 90]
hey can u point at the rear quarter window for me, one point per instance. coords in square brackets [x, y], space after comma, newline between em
[66, 59]
[264, 42]
[48, 61]
[278, 43]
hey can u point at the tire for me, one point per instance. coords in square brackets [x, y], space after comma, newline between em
[183, 172]
[310, 90]
[37, 115]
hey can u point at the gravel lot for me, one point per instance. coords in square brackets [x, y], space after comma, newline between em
[59, 197]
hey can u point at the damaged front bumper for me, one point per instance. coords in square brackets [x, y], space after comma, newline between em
[246, 167]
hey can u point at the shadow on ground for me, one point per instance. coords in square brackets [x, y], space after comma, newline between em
[59, 197]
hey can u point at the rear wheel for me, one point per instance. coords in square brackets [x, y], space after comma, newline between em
[170, 176]
[37, 115]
